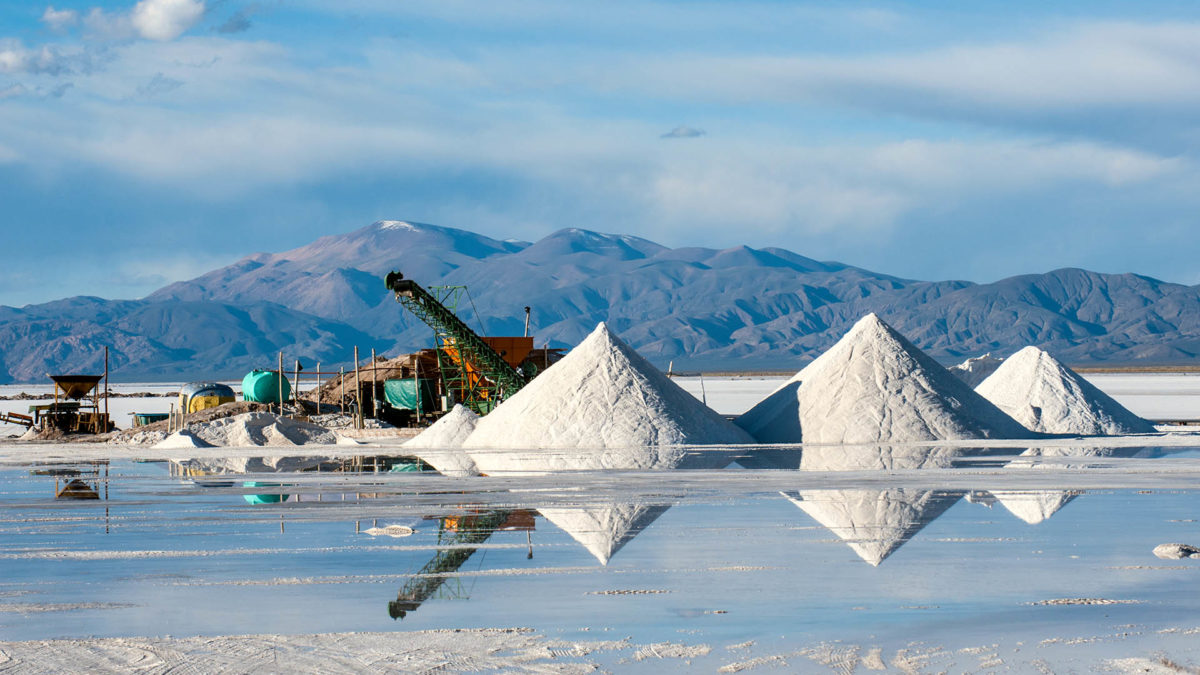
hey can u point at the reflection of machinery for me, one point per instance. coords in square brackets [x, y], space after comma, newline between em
[72, 411]
[477, 371]
[78, 481]
[456, 540]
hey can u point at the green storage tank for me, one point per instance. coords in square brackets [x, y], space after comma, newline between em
[403, 394]
[263, 386]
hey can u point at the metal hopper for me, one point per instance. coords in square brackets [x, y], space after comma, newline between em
[75, 387]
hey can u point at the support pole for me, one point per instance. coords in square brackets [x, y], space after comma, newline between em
[342, 388]
[357, 392]
[296, 387]
[374, 386]
[280, 372]
[106, 395]
[526, 321]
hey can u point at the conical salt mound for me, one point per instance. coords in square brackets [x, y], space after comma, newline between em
[874, 385]
[605, 530]
[976, 370]
[602, 395]
[448, 432]
[1046, 396]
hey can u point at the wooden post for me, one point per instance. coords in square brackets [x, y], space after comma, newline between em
[417, 386]
[106, 395]
[317, 391]
[374, 386]
[357, 392]
[342, 388]
[280, 372]
[296, 388]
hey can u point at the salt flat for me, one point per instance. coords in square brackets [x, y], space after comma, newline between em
[905, 557]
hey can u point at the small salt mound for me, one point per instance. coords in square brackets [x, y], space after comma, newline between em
[602, 395]
[605, 530]
[976, 370]
[261, 429]
[448, 432]
[1048, 397]
[874, 385]
[1176, 551]
[183, 438]
[440, 446]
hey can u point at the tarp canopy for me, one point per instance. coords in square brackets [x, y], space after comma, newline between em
[402, 394]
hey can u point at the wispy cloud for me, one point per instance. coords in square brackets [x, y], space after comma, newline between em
[59, 19]
[683, 131]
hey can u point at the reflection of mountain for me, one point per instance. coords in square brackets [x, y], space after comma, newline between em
[605, 530]
[875, 523]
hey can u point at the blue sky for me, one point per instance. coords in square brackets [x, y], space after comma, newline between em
[151, 141]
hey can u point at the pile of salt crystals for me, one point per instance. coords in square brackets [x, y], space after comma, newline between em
[250, 429]
[440, 445]
[1048, 397]
[602, 394]
[874, 385]
[976, 370]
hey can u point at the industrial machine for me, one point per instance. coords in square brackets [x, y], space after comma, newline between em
[478, 372]
[73, 410]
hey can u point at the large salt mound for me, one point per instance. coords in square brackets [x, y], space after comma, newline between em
[260, 428]
[602, 395]
[874, 385]
[1046, 396]
[976, 370]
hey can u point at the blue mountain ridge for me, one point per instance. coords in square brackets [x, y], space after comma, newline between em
[732, 309]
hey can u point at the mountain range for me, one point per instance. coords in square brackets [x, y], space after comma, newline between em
[732, 309]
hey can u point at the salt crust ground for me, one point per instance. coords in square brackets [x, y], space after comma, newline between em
[519, 650]
[1048, 397]
[875, 385]
[602, 394]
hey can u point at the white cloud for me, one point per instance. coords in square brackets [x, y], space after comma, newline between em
[165, 20]
[59, 19]
[15, 58]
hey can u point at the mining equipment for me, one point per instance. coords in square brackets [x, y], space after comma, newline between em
[478, 372]
[76, 406]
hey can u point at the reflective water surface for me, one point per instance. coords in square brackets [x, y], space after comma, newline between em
[843, 558]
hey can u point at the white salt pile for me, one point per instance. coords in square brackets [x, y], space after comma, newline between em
[602, 395]
[604, 530]
[976, 370]
[1048, 397]
[448, 432]
[440, 445]
[1176, 551]
[259, 429]
[1033, 506]
[183, 438]
[874, 385]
